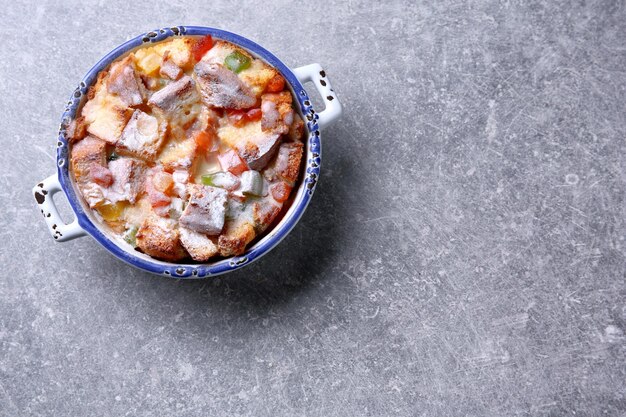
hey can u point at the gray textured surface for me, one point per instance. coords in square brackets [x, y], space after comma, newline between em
[464, 253]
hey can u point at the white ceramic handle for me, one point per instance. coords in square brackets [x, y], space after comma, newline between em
[60, 231]
[317, 75]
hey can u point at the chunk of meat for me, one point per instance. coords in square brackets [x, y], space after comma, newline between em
[128, 177]
[220, 87]
[206, 209]
[277, 112]
[235, 238]
[199, 246]
[159, 238]
[125, 83]
[286, 165]
[172, 98]
[255, 146]
[142, 137]
[100, 175]
[259, 150]
[169, 69]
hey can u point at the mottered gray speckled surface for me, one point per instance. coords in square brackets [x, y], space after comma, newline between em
[464, 252]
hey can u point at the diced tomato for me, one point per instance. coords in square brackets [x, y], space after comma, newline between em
[230, 161]
[276, 84]
[254, 114]
[201, 47]
[100, 175]
[240, 117]
[163, 182]
[236, 117]
[203, 140]
[157, 198]
[280, 191]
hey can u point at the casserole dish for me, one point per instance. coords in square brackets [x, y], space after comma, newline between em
[86, 223]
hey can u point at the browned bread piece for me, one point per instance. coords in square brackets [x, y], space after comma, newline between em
[84, 153]
[125, 83]
[206, 209]
[296, 130]
[277, 112]
[105, 115]
[76, 130]
[286, 165]
[199, 246]
[169, 69]
[159, 238]
[174, 97]
[178, 155]
[255, 146]
[264, 213]
[142, 137]
[235, 238]
[220, 87]
[256, 77]
[128, 180]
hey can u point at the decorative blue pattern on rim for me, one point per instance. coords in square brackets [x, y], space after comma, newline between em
[274, 237]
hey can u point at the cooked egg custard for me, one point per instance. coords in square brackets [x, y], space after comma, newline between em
[188, 148]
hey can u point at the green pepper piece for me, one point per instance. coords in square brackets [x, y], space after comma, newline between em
[237, 62]
[208, 179]
[131, 236]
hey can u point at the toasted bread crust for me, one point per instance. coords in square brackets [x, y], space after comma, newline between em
[235, 239]
[158, 237]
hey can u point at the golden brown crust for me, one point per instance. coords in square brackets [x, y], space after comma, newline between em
[76, 130]
[159, 238]
[264, 215]
[235, 239]
[286, 165]
[84, 153]
[277, 112]
[296, 130]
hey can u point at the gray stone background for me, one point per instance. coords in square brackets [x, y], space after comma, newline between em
[464, 253]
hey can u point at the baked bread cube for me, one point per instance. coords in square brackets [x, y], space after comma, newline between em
[105, 115]
[253, 145]
[198, 245]
[286, 165]
[125, 83]
[159, 238]
[128, 180]
[206, 209]
[220, 87]
[84, 153]
[256, 76]
[174, 97]
[178, 155]
[142, 137]
[264, 212]
[235, 238]
[277, 112]
[169, 69]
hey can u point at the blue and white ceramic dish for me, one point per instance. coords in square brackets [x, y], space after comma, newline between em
[85, 223]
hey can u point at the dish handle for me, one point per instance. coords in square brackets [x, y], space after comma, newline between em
[317, 75]
[60, 231]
